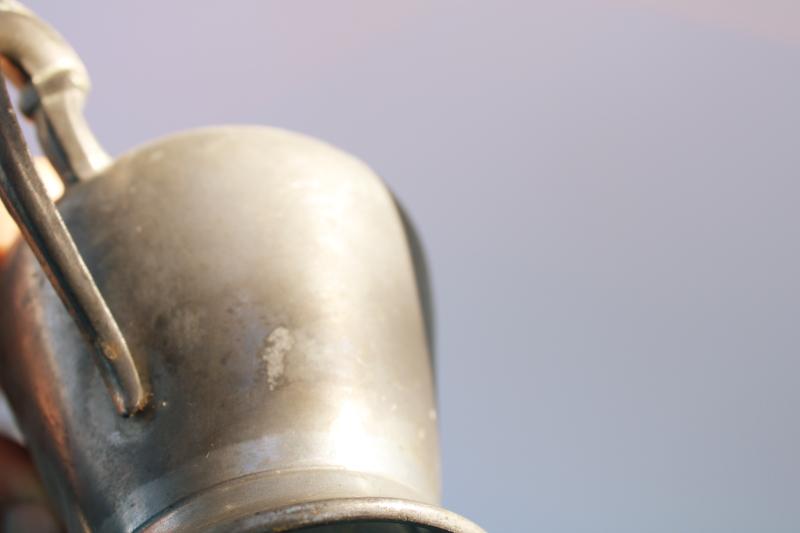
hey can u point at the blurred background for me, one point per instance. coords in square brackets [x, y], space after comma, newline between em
[608, 192]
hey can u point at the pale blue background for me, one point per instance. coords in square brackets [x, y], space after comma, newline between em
[608, 191]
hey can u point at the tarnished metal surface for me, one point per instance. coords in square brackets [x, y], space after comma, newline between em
[55, 82]
[24, 195]
[366, 515]
[265, 282]
[273, 297]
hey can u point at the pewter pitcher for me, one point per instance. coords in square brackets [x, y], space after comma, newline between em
[223, 330]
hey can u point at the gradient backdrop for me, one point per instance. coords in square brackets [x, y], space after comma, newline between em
[609, 193]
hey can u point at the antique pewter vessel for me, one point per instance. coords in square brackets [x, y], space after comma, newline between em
[223, 330]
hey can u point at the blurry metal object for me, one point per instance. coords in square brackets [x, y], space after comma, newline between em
[55, 76]
[54, 85]
[26, 199]
[270, 293]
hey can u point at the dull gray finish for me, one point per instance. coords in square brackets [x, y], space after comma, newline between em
[54, 85]
[55, 82]
[607, 191]
[265, 284]
[273, 297]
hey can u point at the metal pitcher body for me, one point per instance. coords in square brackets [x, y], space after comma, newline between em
[266, 286]
[224, 330]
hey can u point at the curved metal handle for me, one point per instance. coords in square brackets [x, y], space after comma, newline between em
[54, 84]
[53, 71]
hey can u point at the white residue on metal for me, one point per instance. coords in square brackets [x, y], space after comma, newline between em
[276, 346]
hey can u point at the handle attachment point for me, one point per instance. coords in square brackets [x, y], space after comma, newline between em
[54, 85]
